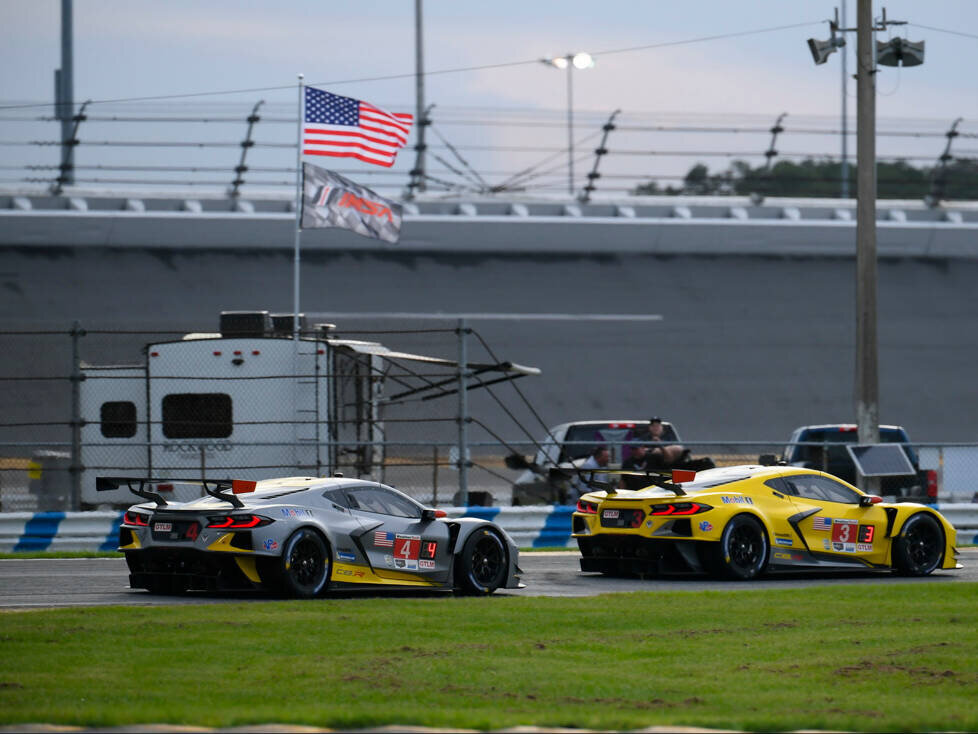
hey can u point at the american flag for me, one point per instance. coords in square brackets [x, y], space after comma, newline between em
[383, 539]
[350, 128]
[821, 523]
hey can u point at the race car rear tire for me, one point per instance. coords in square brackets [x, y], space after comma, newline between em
[483, 563]
[742, 551]
[303, 569]
[919, 549]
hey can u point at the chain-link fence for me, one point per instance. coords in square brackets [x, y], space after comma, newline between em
[160, 404]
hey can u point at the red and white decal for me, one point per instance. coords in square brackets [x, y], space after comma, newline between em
[844, 531]
[610, 514]
[407, 547]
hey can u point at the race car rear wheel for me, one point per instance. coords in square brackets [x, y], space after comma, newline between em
[482, 564]
[742, 551]
[920, 548]
[304, 567]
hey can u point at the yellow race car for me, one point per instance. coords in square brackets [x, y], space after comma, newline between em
[737, 522]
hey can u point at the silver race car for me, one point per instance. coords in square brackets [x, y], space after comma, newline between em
[298, 536]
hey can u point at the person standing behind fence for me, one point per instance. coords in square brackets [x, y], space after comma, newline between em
[662, 454]
[599, 458]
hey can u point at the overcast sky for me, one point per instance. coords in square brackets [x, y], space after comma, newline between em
[147, 48]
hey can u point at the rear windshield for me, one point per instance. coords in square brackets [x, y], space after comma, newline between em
[582, 439]
[836, 436]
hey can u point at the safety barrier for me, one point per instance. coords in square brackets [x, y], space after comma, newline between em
[530, 527]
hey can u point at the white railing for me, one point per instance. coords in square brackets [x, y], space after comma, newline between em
[538, 526]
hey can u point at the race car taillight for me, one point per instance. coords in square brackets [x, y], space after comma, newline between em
[237, 522]
[135, 518]
[932, 483]
[679, 508]
[588, 508]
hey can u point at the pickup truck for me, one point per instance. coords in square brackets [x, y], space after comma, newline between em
[822, 447]
[567, 444]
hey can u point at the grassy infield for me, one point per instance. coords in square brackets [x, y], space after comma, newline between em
[859, 657]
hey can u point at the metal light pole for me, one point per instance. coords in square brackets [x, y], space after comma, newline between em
[419, 93]
[845, 132]
[580, 60]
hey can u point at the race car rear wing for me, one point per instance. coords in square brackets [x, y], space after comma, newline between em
[664, 480]
[216, 488]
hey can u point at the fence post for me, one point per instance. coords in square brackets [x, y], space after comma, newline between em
[463, 417]
[434, 476]
[76, 420]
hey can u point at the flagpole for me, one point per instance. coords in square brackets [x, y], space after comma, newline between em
[298, 216]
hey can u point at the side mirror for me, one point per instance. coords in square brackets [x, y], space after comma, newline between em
[428, 514]
[868, 500]
[767, 460]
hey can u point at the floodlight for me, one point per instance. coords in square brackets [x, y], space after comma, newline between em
[583, 60]
[821, 49]
[560, 62]
[899, 52]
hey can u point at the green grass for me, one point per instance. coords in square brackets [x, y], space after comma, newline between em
[861, 657]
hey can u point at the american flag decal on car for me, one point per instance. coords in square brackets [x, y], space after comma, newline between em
[821, 523]
[383, 539]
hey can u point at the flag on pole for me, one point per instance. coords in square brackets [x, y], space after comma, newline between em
[330, 200]
[350, 128]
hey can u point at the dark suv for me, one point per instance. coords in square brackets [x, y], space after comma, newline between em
[823, 448]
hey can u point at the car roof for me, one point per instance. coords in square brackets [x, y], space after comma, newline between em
[309, 483]
[847, 426]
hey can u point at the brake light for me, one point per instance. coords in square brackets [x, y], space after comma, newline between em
[680, 508]
[932, 483]
[135, 518]
[588, 508]
[237, 522]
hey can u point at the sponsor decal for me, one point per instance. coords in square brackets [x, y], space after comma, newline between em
[383, 539]
[389, 560]
[295, 512]
[784, 541]
[706, 526]
[844, 531]
[738, 500]
[269, 544]
[426, 565]
[827, 544]
[864, 547]
[407, 547]
[405, 564]
[162, 527]
[610, 514]
[782, 556]
[355, 572]
[346, 555]
[821, 523]
[648, 523]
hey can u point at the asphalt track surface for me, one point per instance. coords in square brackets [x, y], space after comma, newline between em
[75, 582]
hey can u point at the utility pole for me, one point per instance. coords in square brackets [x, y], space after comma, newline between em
[64, 96]
[867, 374]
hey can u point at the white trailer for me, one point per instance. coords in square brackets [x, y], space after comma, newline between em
[249, 402]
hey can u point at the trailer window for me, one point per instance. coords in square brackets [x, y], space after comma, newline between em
[197, 415]
[118, 419]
